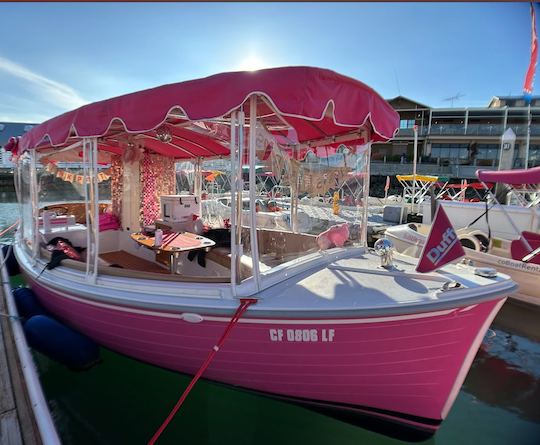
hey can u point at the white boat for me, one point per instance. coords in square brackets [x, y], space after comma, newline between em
[517, 223]
[313, 319]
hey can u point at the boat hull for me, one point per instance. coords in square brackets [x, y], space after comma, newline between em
[405, 368]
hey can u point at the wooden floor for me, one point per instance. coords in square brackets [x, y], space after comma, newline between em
[129, 261]
[17, 424]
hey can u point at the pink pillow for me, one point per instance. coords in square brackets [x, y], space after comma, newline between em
[107, 221]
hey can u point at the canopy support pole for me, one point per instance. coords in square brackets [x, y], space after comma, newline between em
[234, 222]
[365, 196]
[197, 183]
[91, 204]
[34, 197]
[239, 195]
[253, 190]
[415, 155]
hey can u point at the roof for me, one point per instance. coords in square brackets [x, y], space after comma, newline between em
[402, 102]
[191, 119]
[13, 129]
[512, 101]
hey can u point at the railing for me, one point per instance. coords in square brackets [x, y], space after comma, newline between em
[458, 171]
[519, 129]
[392, 169]
[447, 129]
[485, 129]
[472, 129]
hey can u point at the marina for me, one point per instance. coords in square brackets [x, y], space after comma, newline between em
[253, 237]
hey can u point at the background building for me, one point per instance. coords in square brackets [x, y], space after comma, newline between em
[455, 142]
[8, 130]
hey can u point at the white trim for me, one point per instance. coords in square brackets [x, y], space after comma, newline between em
[284, 321]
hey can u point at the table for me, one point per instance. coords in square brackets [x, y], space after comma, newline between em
[173, 244]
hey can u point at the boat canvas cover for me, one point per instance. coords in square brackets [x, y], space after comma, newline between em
[512, 177]
[315, 102]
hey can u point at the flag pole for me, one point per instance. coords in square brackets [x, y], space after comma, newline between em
[415, 154]
[529, 80]
[528, 140]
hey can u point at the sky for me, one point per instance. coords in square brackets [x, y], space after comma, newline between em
[55, 57]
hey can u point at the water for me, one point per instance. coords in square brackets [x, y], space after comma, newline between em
[122, 401]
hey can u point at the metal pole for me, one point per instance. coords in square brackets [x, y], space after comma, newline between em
[415, 129]
[365, 191]
[234, 222]
[87, 217]
[34, 196]
[95, 206]
[528, 136]
[239, 194]
[252, 189]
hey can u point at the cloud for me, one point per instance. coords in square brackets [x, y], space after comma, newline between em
[56, 93]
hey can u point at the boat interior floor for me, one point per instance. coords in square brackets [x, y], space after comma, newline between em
[128, 261]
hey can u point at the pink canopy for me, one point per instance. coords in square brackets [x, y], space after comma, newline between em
[313, 103]
[514, 177]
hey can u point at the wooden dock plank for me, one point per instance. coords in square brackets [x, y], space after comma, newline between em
[10, 432]
[7, 403]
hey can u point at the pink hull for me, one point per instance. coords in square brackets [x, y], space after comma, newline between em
[411, 366]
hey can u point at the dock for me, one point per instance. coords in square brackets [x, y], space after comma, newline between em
[24, 416]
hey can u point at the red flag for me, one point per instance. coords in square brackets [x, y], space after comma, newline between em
[442, 245]
[387, 185]
[529, 78]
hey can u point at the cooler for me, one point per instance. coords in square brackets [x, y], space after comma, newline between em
[179, 208]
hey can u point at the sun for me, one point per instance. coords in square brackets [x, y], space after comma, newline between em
[252, 63]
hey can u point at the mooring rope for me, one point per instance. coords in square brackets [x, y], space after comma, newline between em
[3, 232]
[244, 304]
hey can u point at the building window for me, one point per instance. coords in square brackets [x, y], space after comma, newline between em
[534, 155]
[488, 151]
[406, 123]
[450, 151]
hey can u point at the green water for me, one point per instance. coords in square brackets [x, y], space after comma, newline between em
[122, 401]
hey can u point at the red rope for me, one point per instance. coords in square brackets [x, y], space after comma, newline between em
[244, 304]
[9, 228]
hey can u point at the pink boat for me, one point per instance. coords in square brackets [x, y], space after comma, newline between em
[332, 327]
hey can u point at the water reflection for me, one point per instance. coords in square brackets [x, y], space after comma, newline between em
[506, 374]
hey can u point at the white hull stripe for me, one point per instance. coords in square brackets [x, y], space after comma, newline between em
[256, 320]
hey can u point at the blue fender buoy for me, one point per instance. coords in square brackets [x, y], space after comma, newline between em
[61, 343]
[27, 303]
[11, 261]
